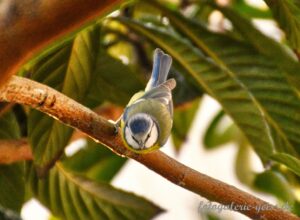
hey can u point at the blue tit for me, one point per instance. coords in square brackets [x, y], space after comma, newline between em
[147, 119]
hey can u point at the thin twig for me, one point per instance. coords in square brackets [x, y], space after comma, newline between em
[14, 150]
[68, 111]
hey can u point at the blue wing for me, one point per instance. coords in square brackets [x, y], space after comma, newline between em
[161, 66]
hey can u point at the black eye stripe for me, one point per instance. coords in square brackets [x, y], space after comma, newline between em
[134, 139]
[148, 136]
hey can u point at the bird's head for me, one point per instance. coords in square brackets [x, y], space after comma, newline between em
[141, 132]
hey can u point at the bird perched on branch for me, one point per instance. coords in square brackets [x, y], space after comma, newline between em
[147, 119]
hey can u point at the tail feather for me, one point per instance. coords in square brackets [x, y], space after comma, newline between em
[165, 65]
[161, 66]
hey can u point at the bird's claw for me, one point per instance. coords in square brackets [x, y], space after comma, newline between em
[116, 125]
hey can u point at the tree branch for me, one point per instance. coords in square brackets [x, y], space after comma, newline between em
[26, 26]
[14, 150]
[38, 96]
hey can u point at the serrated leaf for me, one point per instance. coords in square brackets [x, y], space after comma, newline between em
[12, 185]
[116, 81]
[289, 161]
[280, 55]
[275, 183]
[218, 134]
[257, 75]
[287, 14]
[68, 68]
[96, 162]
[71, 196]
[223, 85]
[182, 121]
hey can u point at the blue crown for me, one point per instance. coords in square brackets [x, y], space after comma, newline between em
[139, 125]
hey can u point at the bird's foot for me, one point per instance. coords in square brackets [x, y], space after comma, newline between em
[116, 124]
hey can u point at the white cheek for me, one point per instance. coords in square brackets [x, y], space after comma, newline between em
[130, 140]
[153, 137]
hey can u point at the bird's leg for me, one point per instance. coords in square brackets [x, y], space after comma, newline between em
[116, 123]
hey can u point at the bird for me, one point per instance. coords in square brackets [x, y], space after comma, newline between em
[147, 119]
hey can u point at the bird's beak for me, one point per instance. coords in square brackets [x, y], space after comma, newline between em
[142, 145]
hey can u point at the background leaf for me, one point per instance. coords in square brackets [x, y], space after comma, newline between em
[12, 184]
[113, 81]
[219, 132]
[250, 11]
[287, 13]
[291, 162]
[68, 68]
[96, 162]
[182, 121]
[243, 163]
[281, 55]
[184, 91]
[71, 196]
[275, 183]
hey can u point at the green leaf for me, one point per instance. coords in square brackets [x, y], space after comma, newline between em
[217, 134]
[225, 86]
[257, 75]
[71, 196]
[53, 218]
[289, 161]
[96, 162]
[68, 68]
[274, 183]
[9, 128]
[12, 185]
[184, 91]
[280, 55]
[212, 216]
[113, 81]
[182, 121]
[243, 163]
[247, 10]
[203, 11]
[287, 14]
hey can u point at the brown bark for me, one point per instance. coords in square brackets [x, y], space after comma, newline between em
[57, 105]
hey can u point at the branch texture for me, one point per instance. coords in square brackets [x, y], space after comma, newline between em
[38, 96]
[26, 26]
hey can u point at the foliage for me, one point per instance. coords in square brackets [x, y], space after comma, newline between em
[254, 78]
